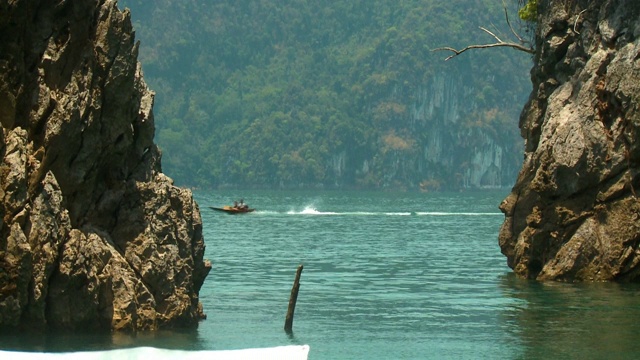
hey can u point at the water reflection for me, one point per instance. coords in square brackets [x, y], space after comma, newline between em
[574, 321]
[79, 341]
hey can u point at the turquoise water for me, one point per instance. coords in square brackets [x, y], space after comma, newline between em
[396, 276]
[386, 276]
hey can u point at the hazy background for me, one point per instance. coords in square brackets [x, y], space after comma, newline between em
[333, 94]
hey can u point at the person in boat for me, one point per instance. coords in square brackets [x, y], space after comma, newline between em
[235, 204]
[242, 205]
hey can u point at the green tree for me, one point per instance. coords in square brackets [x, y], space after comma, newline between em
[300, 93]
[529, 12]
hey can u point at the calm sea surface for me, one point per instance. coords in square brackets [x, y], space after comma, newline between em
[386, 276]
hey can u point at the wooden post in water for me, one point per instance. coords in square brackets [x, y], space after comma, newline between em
[288, 322]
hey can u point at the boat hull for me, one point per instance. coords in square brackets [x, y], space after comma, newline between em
[231, 210]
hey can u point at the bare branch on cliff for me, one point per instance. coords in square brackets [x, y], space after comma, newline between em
[513, 31]
[500, 43]
[521, 45]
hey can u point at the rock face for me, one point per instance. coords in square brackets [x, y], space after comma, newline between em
[574, 214]
[451, 144]
[468, 155]
[93, 235]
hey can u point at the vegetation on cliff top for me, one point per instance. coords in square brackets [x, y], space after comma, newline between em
[295, 93]
[529, 11]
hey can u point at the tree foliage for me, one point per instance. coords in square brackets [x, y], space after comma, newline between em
[321, 93]
[529, 12]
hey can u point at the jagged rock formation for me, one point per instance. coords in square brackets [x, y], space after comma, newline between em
[574, 213]
[92, 234]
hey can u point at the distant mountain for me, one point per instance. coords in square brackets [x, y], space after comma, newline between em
[345, 94]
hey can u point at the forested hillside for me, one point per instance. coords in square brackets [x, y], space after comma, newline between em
[341, 93]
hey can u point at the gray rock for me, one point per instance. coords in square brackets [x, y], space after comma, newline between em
[93, 234]
[573, 214]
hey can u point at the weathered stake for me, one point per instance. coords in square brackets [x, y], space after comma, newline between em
[288, 322]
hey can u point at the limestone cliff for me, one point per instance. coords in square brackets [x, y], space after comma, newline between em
[574, 213]
[460, 143]
[92, 234]
[449, 142]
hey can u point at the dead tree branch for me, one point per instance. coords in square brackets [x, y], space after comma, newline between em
[513, 31]
[521, 45]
